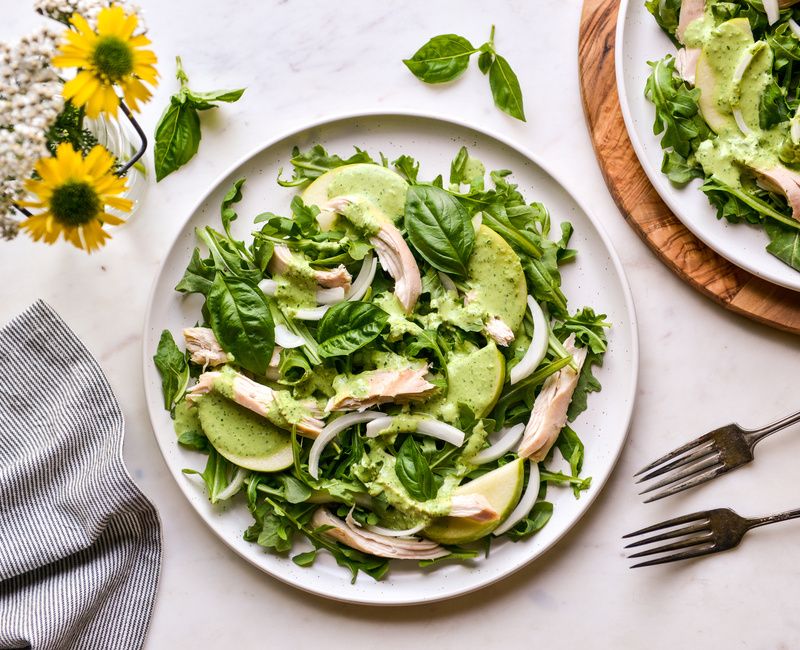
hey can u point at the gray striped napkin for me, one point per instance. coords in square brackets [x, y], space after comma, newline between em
[80, 545]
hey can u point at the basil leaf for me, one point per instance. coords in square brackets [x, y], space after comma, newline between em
[240, 317]
[177, 138]
[439, 228]
[348, 326]
[443, 58]
[485, 61]
[171, 364]
[505, 88]
[414, 472]
[204, 101]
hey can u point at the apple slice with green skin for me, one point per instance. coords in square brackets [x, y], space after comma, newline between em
[382, 187]
[501, 487]
[496, 279]
[242, 436]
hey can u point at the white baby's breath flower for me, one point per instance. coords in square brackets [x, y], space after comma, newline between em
[61, 10]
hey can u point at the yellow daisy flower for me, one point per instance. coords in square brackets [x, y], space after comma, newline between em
[111, 56]
[73, 193]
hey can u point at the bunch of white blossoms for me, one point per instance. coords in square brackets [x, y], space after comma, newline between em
[30, 101]
[62, 10]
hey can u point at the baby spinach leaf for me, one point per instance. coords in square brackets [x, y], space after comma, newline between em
[348, 326]
[241, 320]
[177, 136]
[439, 228]
[171, 364]
[443, 58]
[505, 88]
[667, 14]
[784, 244]
[414, 472]
[305, 559]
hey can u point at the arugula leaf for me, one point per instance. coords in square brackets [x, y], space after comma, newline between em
[784, 244]
[455, 556]
[408, 167]
[505, 88]
[414, 471]
[571, 448]
[199, 275]
[443, 58]
[588, 327]
[559, 478]
[587, 383]
[772, 107]
[174, 370]
[305, 559]
[439, 228]
[667, 14]
[240, 317]
[311, 164]
[217, 474]
[228, 214]
[752, 207]
[535, 520]
[177, 136]
[349, 326]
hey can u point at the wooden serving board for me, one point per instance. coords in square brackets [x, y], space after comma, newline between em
[648, 215]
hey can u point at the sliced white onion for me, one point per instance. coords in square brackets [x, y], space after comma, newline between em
[794, 130]
[427, 427]
[447, 283]
[772, 10]
[794, 27]
[287, 339]
[235, 485]
[744, 63]
[331, 431]
[389, 532]
[737, 115]
[268, 287]
[538, 347]
[315, 313]
[526, 502]
[364, 278]
[507, 440]
[330, 296]
[477, 220]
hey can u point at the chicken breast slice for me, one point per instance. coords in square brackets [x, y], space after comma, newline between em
[549, 413]
[393, 253]
[691, 10]
[398, 386]
[499, 332]
[472, 506]
[686, 63]
[277, 406]
[282, 259]
[203, 347]
[350, 534]
[783, 181]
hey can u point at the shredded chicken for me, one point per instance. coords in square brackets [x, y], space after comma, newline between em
[784, 181]
[350, 534]
[691, 10]
[394, 255]
[686, 63]
[257, 398]
[398, 386]
[499, 331]
[549, 413]
[339, 277]
[203, 346]
[472, 506]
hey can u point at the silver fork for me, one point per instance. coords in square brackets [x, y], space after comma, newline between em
[707, 457]
[705, 532]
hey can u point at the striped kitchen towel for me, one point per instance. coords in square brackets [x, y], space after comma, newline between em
[80, 545]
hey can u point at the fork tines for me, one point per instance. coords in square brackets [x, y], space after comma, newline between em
[691, 464]
[696, 533]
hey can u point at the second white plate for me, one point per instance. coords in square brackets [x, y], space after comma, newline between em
[639, 40]
[596, 278]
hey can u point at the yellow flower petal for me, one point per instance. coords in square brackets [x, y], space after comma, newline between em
[111, 21]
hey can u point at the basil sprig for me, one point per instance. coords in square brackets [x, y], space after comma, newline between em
[439, 228]
[178, 130]
[349, 326]
[414, 471]
[445, 58]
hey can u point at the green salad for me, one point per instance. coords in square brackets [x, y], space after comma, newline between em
[388, 371]
[727, 110]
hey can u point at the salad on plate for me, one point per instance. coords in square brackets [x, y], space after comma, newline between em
[391, 371]
[726, 108]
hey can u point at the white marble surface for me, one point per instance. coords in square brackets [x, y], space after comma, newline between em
[700, 365]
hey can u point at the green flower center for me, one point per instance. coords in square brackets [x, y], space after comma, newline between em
[113, 58]
[75, 203]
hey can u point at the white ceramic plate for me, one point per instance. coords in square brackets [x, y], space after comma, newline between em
[596, 278]
[639, 40]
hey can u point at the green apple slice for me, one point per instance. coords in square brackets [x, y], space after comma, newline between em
[382, 187]
[496, 279]
[501, 487]
[243, 437]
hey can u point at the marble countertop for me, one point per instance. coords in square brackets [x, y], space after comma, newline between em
[700, 365]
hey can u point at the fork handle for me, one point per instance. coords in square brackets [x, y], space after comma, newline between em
[773, 519]
[759, 434]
